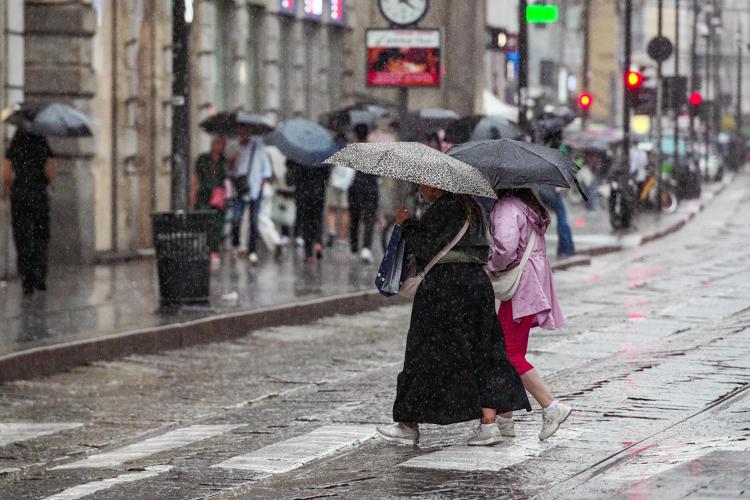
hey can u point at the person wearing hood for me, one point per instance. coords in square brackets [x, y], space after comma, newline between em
[518, 222]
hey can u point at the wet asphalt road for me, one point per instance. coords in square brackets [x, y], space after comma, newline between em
[653, 360]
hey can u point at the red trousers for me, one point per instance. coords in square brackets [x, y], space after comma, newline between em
[516, 336]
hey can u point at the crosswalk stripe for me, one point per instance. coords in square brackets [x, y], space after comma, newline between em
[298, 451]
[150, 446]
[22, 431]
[83, 490]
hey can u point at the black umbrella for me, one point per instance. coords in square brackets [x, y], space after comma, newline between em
[347, 118]
[481, 128]
[49, 119]
[417, 124]
[507, 163]
[228, 123]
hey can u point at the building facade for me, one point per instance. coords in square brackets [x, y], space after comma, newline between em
[112, 60]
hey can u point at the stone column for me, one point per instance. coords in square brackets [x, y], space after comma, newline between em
[58, 67]
[11, 92]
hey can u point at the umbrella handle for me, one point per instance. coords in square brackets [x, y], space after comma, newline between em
[580, 190]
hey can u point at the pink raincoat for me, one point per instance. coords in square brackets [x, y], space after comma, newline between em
[511, 223]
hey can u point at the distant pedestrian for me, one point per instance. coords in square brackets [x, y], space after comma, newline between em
[250, 169]
[27, 172]
[553, 199]
[516, 216]
[309, 192]
[337, 200]
[363, 205]
[209, 193]
[455, 367]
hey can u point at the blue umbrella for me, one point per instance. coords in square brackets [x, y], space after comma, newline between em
[50, 119]
[303, 142]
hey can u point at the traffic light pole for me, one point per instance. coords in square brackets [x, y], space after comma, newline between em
[523, 66]
[704, 116]
[627, 17]
[677, 108]
[586, 53]
[180, 105]
[693, 79]
[659, 99]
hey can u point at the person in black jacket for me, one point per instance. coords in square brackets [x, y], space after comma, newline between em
[455, 366]
[363, 205]
[26, 174]
[310, 196]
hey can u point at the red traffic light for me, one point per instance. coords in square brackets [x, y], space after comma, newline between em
[696, 99]
[585, 100]
[633, 79]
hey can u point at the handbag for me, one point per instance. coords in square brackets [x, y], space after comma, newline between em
[283, 210]
[218, 198]
[388, 280]
[342, 177]
[414, 279]
[241, 182]
[506, 282]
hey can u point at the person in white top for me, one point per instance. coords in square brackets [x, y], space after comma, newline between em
[250, 169]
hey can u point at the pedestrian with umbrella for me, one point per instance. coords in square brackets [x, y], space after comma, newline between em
[518, 221]
[455, 367]
[306, 145]
[27, 173]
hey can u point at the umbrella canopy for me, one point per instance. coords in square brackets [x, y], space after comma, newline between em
[347, 118]
[228, 123]
[413, 162]
[481, 128]
[303, 142]
[508, 164]
[50, 119]
[417, 124]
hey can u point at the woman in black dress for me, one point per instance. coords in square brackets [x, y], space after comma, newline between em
[455, 367]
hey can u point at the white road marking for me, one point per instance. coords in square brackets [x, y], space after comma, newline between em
[296, 452]
[83, 490]
[22, 431]
[150, 446]
[489, 458]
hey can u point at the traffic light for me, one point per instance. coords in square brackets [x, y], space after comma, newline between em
[585, 101]
[497, 39]
[633, 80]
[696, 103]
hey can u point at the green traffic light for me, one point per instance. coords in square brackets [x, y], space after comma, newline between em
[542, 14]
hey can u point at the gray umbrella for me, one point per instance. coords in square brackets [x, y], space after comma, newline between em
[413, 162]
[507, 163]
[50, 119]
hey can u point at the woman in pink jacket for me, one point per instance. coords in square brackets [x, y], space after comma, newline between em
[514, 216]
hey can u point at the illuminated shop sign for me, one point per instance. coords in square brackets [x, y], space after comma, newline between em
[338, 15]
[313, 9]
[403, 58]
[287, 7]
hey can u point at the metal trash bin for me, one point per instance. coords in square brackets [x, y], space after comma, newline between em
[183, 257]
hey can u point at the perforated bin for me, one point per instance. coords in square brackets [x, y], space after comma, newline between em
[183, 256]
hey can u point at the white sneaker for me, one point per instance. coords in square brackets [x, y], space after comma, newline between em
[506, 426]
[399, 433]
[366, 256]
[253, 257]
[485, 436]
[552, 419]
[299, 242]
[284, 241]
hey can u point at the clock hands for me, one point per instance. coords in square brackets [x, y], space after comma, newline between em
[407, 2]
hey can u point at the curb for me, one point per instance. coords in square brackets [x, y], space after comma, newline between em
[43, 361]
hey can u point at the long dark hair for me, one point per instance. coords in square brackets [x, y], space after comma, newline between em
[528, 197]
[472, 209]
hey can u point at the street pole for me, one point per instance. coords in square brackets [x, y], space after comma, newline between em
[586, 54]
[628, 47]
[678, 108]
[738, 148]
[180, 105]
[693, 79]
[705, 118]
[717, 57]
[403, 109]
[523, 66]
[659, 98]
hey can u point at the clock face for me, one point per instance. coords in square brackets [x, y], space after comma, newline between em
[403, 12]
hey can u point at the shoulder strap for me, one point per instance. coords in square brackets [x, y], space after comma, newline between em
[252, 157]
[527, 252]
[447, 248]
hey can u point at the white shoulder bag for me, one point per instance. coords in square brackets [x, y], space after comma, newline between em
[414, 279]
[506, 283]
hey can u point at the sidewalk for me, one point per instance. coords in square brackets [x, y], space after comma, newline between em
[86, 303]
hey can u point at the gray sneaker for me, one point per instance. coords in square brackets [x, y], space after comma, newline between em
[552, 419]
[486, 436]
[507, 428]
[399, 433]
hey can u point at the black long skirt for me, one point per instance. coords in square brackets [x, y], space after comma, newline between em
[455, 362]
